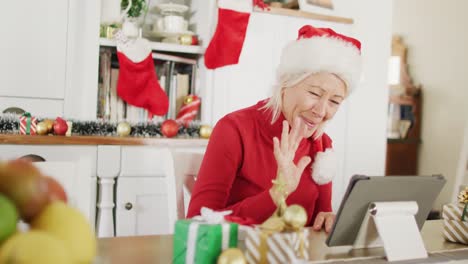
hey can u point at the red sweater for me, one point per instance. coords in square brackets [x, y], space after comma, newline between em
[239, 165]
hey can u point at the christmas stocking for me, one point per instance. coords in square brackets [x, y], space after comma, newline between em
[138, 83]
[226, 45]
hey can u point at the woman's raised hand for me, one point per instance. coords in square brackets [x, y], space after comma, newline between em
[285, 152]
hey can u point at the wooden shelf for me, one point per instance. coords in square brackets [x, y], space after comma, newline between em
[159, 46]
[95, 140]
[298, 13]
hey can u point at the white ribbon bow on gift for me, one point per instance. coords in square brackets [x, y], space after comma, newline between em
[207, 216]
[212, 217]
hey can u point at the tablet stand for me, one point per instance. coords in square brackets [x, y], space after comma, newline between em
[393, 226]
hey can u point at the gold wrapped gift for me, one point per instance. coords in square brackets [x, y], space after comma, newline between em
[283, 247]
[456, 219]
[282, 237]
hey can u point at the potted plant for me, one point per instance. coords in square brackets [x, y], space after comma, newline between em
[137, 7]
[133, 10]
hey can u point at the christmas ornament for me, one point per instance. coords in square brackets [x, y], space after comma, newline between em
[70, 128]
[27, 124]
[187, 39]
[189, 109]
[295, 216]
[169, 128]
[41, 128]
[463, 196]
[50, 125]
[226, 45]
[232, 256]
[123, 129]
[60, 126]
[9, 124]
[138, 82]
[205, 131]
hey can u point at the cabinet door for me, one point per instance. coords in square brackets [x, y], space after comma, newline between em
[33, 48]
[142, 206]
[37, 107]
[73, 166]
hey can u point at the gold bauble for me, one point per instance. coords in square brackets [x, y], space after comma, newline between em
[50, 125]
[123, 129]
[188, 99]
[232, 256]
[205, 131]
[41, 128]
[295, 216]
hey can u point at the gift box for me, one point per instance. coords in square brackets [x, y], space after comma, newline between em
[198, 241]
[27, 125]
[281, 247]
[455, 222]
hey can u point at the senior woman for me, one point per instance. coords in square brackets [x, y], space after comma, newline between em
[283, 135]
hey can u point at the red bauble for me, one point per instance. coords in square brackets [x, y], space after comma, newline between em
[169, 128]
[60, 126]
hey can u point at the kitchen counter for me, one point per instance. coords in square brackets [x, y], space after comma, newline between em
[101, 140]
[158, 249]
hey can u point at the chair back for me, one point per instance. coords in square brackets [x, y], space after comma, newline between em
[186, 166]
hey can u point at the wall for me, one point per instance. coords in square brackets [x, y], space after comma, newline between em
[438, 59]
[366, 137]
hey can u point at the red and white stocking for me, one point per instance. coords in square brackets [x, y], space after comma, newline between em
[138, 83]
[226, 45]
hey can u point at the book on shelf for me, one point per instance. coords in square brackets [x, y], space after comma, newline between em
[176, 76]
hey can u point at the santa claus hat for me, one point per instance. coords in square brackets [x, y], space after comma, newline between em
[323, 50]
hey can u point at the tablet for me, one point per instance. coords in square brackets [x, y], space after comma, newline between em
[363, 190]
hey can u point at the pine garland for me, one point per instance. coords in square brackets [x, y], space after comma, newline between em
[9, 124]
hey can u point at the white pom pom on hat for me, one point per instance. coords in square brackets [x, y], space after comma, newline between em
[323, 50]
[324, 166]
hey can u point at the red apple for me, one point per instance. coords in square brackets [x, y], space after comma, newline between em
[24, 185]
[169, 128]
[55, 190]
[60, 126]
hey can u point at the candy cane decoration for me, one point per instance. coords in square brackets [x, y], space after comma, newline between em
[189, 110]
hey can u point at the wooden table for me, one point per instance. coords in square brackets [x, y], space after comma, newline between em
[158, 249]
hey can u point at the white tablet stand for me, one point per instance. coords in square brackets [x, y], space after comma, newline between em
[393, 226]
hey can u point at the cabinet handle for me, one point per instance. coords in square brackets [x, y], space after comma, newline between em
[13, 110]
[128, 206]
[32, 158]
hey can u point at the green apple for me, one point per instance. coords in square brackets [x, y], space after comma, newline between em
[9, 218]
[24, 184]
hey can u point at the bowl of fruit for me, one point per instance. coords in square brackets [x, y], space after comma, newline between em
[37, 225]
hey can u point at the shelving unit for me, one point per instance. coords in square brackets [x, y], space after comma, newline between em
[159, 46]
[403, 153]
[298, 13]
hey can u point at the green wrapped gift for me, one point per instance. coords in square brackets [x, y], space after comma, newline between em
[202, 241]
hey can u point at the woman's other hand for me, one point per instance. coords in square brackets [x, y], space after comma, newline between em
[324, 220]
[285, 151]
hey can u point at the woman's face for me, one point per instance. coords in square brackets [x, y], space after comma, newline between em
[314, 100]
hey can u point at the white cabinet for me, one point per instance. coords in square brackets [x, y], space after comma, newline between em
[145, 197]
[142, 206]
[33, 48]
[73, 166]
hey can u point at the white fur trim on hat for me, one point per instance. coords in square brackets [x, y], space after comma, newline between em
[244, 6]
[324, 167]
[322, 54]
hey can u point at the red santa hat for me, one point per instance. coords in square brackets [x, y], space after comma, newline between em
[323, 50]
